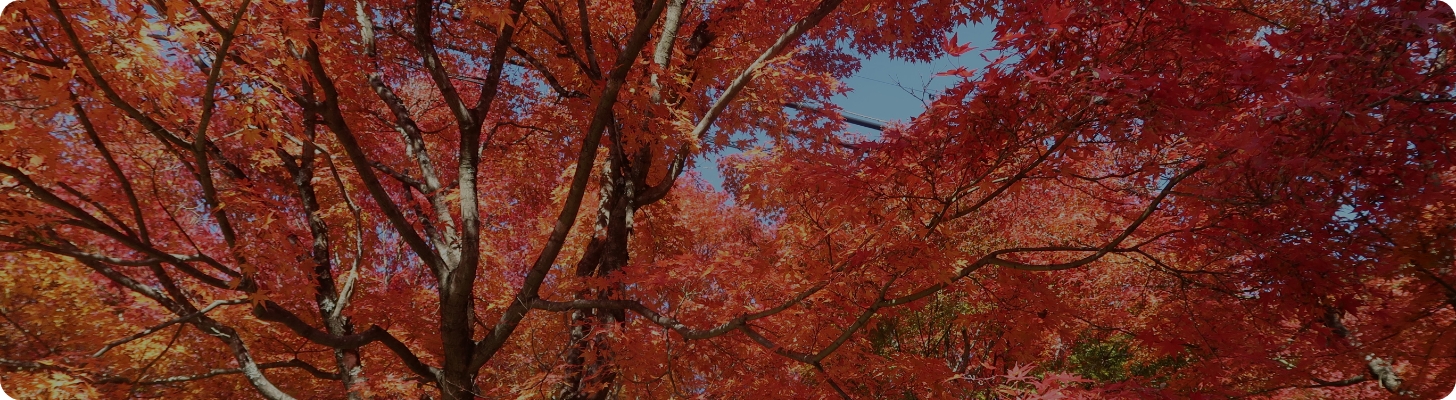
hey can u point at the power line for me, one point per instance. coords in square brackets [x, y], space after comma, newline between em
[857, 120]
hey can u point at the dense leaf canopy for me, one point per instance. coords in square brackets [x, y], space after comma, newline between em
[496, 198]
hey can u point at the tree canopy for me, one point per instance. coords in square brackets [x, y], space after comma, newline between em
[497, 199]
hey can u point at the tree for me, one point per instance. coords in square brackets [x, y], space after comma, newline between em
[495, 198]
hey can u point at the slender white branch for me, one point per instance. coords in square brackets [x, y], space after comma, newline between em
[171, 322]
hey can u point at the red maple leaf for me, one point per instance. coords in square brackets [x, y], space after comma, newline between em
[952, 46]
[959, 71]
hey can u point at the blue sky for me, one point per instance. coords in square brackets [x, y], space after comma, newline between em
[883, 87]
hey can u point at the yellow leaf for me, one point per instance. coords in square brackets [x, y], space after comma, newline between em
[251, 136]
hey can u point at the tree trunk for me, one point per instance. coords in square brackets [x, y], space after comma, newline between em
[590, 371]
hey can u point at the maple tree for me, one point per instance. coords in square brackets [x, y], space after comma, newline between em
[237, 198]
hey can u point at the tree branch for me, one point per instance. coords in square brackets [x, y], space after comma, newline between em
[272, 312]
[199, 137]
[153, 127]
[33, 60]
[163, 325]
[294, 363]
[88, 221]
[115, 168]
[334, 118]
[740, 323]
[783, 42]
[488, 346]
[424, 41]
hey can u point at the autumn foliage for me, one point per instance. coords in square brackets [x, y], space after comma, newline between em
[497, 199]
